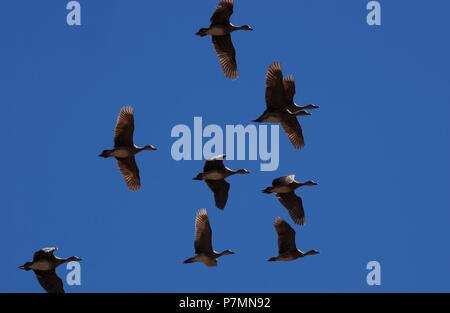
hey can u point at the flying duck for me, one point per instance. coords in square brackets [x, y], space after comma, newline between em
[43, 265]
[124, 149]
[284, 188]
[281, 107]
[202, 243]
[214, 174]
[287, 250]
[220, 31]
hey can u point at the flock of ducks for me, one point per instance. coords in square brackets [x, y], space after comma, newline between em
[280, 108]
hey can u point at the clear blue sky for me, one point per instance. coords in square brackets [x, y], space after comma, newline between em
[378, 146]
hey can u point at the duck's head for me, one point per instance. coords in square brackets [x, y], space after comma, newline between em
[228, 252]
[310, 183]
[74, 258]
[242, 171]
[26, 266]
[150, 148]
[313, 252]
[246, 27]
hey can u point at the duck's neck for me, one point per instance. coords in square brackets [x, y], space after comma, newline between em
[138, 149]
[222, 253]
[234, 27]
[297, 184]
[307, 107]
[235, 172]
[310, 252]
[59, 261]
[301, 112]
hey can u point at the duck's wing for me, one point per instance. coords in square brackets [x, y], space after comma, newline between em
[275, 93]
[123, 133]
[282, 181]
[203, 233]
[227, 55]
[220, 189]
[286, 236]
[289, 87]
[294, 205]
[130, 172]
[293, 130]
[45, 253]
[223, 12]
[215, 163]
[50, 281]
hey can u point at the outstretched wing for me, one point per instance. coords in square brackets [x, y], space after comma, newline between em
[50, 281]
[289, 87]
[123, 133]
[215, 163]
[283, 181]
[294, 205]
[203, 233]
[286, 236]
[293, 130]
[223, 12]
[227, 55]
[130, 172]
[275, 93]
[220, 189]
[44, 254]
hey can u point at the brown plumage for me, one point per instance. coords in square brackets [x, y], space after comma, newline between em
[281, 107]
[203, 242]
[214, 174]
[227, 55]
[220, 31]
[125, 150]
[203, 233]
[123, 137]
[44, 265]
[284, 188]
[130, 172]
[287, 249]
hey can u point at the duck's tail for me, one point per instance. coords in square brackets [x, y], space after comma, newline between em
[267, 190]
[202, 32]
[190, 260]
[105, 154]
[198, 177]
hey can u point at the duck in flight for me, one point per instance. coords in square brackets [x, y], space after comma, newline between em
[202, 243]
[125, 150]
[284, 188]
[287, 249]
[281, 107]
[220, 31]
[44, 265]
[214, 174]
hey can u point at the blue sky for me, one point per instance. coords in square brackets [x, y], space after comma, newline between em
[378, 145]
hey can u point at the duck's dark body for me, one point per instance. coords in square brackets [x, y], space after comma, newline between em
[220, 31]
[281, 107]
[214, 174]
[44, 265]
[125, 150]
[287, 249]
